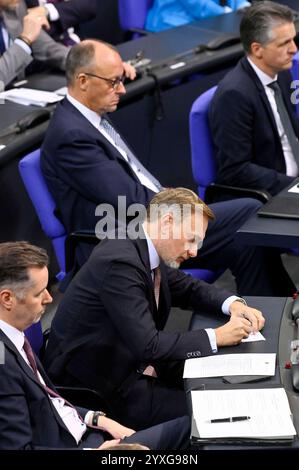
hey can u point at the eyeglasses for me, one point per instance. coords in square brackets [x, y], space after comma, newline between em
[114, 82]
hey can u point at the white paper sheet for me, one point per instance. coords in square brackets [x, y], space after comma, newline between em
[230, 364]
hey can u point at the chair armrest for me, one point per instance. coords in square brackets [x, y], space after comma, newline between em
[81, 396]
[73, 240]
[217, 192]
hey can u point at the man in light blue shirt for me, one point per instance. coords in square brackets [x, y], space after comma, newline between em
[166, 14]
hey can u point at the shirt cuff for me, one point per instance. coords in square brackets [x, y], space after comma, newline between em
[212, 338]
[227, 303]
[23, 45]
[53, 13]
[88, 417]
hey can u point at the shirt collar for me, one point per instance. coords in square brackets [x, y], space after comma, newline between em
[264, 78]
[153, 255]
[90, 115]
[16, 336]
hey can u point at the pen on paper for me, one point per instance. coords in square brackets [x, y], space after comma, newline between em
[231, 419]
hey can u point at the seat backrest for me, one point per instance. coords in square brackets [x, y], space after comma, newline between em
[44, 205]
[295, 75]
[35, 337]
[204, 166]
[132, 13]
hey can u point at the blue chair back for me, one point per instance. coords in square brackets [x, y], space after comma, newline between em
[132, 13]
[44, 205]
[295, 75]
[35, 337]
[204, 165]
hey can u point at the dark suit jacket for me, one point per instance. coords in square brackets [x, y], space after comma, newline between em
[247, 143]
[107, 324]
[83, 169]
[28, 420]
[71, 14]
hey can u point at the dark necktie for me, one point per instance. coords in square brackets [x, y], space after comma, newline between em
[2, 43]
[285, 120]
[30, 356]
[131, 157]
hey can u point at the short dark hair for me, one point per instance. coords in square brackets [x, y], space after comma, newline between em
[81, 56]
[15, 259]
[260, 19]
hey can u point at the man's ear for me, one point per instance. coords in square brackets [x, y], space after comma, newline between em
[256, 50]
[83, 81]
[6, 298]
[166, 225]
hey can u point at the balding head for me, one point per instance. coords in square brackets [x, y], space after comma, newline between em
[94, 72]
[85, 55]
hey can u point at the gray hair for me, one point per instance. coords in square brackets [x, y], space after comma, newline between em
[260, 19]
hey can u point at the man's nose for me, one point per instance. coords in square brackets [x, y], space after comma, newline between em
[192, 252]
[47, 298]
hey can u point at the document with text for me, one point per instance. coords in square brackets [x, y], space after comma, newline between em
[230, 364]
[248, 413]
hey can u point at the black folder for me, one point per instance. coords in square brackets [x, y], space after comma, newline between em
[284, 205]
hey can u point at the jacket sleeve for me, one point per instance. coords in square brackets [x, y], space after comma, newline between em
[44, 48]
[12, 63]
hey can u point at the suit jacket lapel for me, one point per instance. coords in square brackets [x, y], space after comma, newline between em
[68, 107]
[260, 88]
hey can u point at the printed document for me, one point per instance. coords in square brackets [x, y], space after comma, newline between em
[259, 414]
[230, 364]
[28, 96]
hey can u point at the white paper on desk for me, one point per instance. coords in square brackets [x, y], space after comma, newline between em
[28, 96]
[61, 91]
[268, 409]
[294, 189]
[254, 337]
[230, 364]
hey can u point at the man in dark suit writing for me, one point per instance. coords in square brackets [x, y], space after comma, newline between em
[32, 414]
[86, 163]
[108, 331]
[252, 118]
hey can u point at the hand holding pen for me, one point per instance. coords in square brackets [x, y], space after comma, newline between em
[254, 316]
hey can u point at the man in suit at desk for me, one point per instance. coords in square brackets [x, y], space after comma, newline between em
[252, 117]
[109, 327]
[22, 39]
[86, 162]
[32, 414]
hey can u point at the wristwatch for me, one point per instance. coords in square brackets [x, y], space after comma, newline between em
[95, 417]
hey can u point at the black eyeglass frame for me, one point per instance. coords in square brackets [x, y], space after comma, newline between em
[114, 82]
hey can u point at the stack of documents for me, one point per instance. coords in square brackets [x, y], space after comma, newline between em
[28, 96]
[248, 414]
[230, 364]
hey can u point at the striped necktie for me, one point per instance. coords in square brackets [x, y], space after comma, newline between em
[107, 127]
